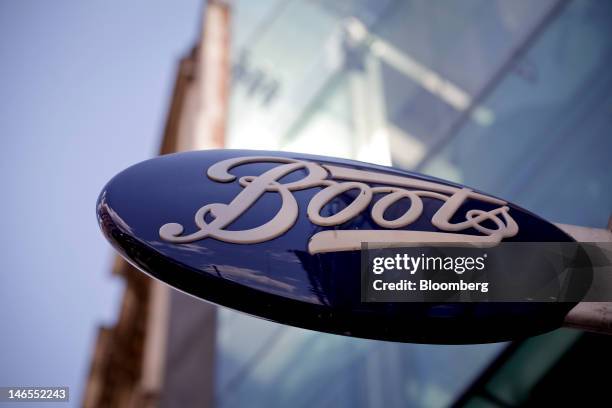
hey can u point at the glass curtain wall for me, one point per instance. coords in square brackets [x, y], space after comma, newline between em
[511, 97]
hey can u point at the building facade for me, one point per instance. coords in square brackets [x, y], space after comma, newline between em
[509, 97]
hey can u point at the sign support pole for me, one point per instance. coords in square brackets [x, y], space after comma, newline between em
[594, 317]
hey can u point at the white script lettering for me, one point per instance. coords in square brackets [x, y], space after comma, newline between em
[335, 181]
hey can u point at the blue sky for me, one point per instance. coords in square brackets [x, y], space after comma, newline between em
[84, 89]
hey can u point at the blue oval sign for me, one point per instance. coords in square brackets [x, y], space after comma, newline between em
[278, 235]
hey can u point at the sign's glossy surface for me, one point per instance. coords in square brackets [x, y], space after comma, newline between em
[277, 235]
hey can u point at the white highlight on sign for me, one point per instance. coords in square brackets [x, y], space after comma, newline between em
[335, 181]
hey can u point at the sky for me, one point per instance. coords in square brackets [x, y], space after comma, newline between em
[84, 86]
